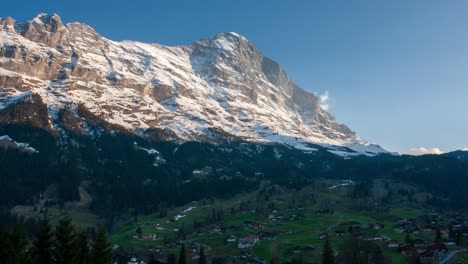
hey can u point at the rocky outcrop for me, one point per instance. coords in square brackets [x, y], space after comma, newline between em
[216, 89]
[46, 29]
[29, 110]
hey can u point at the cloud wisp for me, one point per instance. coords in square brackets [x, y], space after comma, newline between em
[424, 151]
[324, 100]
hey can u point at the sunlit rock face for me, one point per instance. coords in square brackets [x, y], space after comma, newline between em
[214, 89]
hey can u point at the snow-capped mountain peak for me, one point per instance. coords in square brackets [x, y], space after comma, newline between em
[216, 88]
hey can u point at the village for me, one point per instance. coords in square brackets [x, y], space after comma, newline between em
[250, 233]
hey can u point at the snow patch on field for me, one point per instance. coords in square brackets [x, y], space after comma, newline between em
[183, 213]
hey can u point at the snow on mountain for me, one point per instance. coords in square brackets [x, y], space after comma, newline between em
[214, 88]
[6, 142]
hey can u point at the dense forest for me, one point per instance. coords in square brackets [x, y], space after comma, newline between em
[62, 244]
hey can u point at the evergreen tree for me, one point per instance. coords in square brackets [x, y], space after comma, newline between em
[83, 255]
[438, 237]
[65, 251]
[18, 243]
[296, 260]
[183, 255]
[139, 231]
[458, 238]
[418, 260]
[202, 259]
[452, 233]
[5, 246]
[171, 258]
[101, 253]
[408, 239]
[328, 256]
[377, 255]
[42, 250]
[275, 258]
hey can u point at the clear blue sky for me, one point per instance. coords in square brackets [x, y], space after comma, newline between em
[396, 71]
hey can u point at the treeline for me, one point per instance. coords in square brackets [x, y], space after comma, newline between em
[122, 177]
[62, 244]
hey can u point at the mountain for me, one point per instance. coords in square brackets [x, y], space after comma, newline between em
[215, 90]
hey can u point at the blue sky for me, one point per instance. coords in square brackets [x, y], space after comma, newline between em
[396, 71]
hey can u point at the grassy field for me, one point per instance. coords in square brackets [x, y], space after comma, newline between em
[461, 257]
[291, 233]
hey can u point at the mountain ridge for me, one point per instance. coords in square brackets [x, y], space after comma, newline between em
[222, 84]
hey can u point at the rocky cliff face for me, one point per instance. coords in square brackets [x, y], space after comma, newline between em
[214, 89]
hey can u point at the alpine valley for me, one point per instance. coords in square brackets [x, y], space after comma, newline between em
[122, 128]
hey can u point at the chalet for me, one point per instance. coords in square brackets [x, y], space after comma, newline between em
[231, 239]
[299, 249]
[427, 255]
[400, 228]
[426, 228]
[259, 174]
[377, 226]
[246, 254]
[339, 232]
[292, 217]
[407, 250]
[419, 242]
[134, 260]
[244, 244]
[445, 233]
[148, 236]
[280, 217]
[403, 220]
[449, 242]
[437, 248]
[219, 230]
[156, 262]
[256, 225]
[373, 238]
[392, 244]
[194, 247]
[267, 235]
[323, 235]
[355, 224]
[153, 248]
[218, 260]
[254, 261]
[248, 241]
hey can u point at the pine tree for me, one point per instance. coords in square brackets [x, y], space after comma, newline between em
[65, 251]
[202, 259]
[418, 260]
[183, 255]
[408, 239]
[42, 250]
[328, 256]
[139, 231]
[377, 255]
[102, 253]
[452, 233]
[4, 244]
[18, 243]
[171, 258]
[438, 237]
[458, 238]
[82, 246]
[296, 260]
